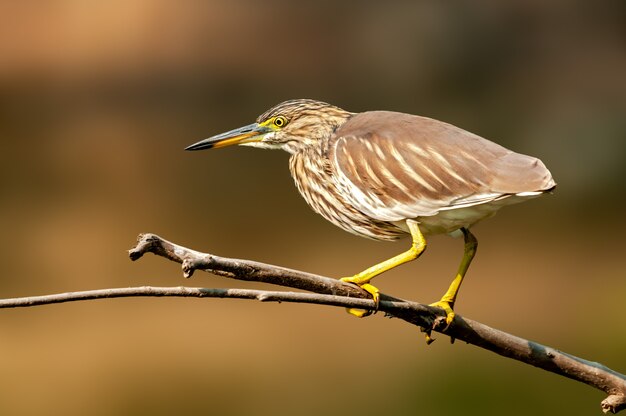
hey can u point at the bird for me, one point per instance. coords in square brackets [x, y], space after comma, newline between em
[384, 174]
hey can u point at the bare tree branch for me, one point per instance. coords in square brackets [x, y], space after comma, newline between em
[327, 291]
[426, 317]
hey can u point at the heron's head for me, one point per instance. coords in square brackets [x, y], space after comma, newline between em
[291, 125]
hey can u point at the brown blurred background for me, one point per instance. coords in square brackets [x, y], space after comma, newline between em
[97, 101]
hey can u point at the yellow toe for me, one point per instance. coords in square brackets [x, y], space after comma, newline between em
[359, 313]
[371, 289]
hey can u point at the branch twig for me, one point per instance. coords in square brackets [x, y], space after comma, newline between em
[327, 291]
[199, 292]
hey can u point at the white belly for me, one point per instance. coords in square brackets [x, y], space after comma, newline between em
[449, 220]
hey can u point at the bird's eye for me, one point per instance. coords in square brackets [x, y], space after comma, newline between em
[280, 121]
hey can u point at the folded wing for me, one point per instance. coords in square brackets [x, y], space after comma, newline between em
[394, 166]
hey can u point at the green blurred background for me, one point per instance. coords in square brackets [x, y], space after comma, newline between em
[97, 101]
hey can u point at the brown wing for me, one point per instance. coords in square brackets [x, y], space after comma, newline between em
[393, 166]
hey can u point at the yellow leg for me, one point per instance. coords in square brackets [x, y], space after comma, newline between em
[362, 279]
[448, 299]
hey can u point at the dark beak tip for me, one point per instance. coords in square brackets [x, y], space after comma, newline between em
[198, 146]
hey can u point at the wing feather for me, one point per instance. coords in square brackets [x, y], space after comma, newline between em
[394, 166]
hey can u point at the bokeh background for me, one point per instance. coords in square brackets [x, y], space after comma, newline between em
[97, 101]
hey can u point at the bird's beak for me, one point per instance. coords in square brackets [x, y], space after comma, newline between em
[251, 133]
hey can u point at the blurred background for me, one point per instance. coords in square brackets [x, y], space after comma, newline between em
[97, 102]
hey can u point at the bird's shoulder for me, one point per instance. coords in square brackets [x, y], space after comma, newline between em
[401, 128]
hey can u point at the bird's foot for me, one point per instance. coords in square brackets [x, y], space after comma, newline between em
[371, 289]
[429, 338]
[447, 306]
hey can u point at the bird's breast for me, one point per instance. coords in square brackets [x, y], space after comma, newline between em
[316, 182]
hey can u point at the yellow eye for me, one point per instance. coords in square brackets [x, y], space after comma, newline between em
[280, 121]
